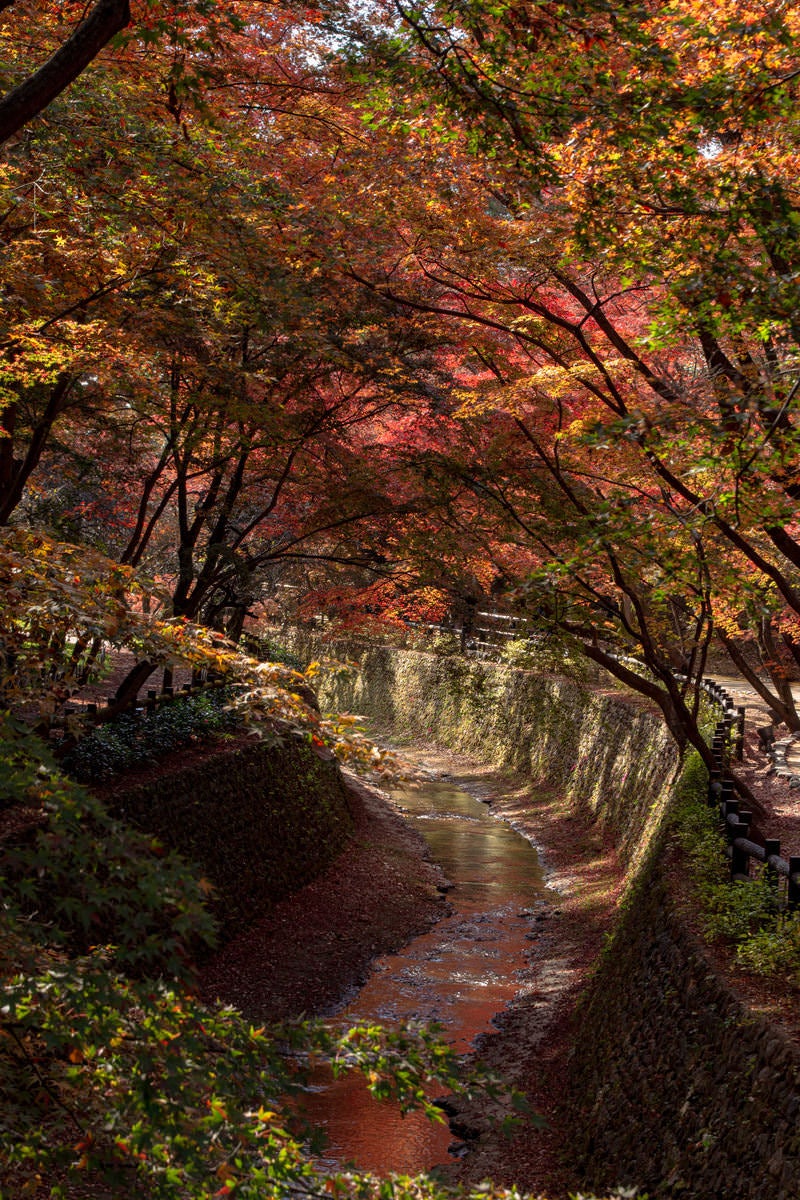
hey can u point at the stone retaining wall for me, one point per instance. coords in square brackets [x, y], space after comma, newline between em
[677, 1088]
[611, 755]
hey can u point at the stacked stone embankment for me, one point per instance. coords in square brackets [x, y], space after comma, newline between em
[259, 820]
[677, 1087]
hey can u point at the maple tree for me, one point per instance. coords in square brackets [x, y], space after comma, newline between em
[598, 229]
[188, 333]
[68, 39]
[570, 245]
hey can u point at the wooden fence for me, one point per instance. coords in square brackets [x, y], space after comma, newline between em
[482, 633]
[137, 706]
[740, 833]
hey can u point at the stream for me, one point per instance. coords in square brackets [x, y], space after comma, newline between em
[461, 974]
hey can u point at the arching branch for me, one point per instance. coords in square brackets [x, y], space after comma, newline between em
[33, 95]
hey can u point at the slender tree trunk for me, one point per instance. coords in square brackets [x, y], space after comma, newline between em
[777, 673]
[677, 717]
[129, 688]
[14, 474]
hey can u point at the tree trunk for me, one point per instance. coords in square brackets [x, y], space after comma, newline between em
[774, 704]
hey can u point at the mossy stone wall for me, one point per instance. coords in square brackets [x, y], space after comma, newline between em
[606, 752]
[260, 820]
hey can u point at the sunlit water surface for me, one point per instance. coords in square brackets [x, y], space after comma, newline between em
[461, 973]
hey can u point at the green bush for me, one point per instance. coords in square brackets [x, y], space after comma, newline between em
[444, 644]
[544, 654]
[743, 913]
[132, 740]
[773, 950]
[265, 649]
[85, 881]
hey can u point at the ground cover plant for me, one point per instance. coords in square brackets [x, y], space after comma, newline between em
[136, 738]
[746, 915]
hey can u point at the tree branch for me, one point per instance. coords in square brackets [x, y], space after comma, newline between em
[63, 67]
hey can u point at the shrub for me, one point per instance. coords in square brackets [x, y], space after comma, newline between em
[81, 879]
[267, 650]
[744, 913]
[131, 740]
[545, 655]
[773, 950]
[444, 643]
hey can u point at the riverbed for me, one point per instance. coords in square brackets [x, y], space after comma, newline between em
[317, 947]
[460, 974]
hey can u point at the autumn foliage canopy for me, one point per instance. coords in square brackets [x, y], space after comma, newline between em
[377, 310]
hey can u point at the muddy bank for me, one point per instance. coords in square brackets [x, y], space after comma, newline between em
[310, 951]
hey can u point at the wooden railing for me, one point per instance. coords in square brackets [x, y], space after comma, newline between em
[482, 633]
[154, 699]
[737, 822]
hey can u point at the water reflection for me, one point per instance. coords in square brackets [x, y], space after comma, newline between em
[460, 973]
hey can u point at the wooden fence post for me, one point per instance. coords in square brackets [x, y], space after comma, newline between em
[718, 749]
[793, 890]
[738, 748]
[740, 859]
[772, 849]
[714, 788]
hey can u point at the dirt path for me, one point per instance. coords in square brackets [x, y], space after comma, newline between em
[780, 800]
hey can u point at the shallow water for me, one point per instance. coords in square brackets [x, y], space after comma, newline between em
[461, 973]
